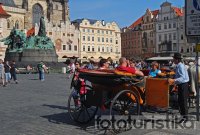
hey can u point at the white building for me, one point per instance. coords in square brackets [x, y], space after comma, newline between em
[170, 34]
[99, 39]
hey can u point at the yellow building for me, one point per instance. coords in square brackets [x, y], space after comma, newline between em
[98, 39]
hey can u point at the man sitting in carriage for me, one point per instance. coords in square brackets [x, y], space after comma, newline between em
[125, 67]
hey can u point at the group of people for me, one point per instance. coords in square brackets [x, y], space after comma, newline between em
[180, 79]
[8, 72]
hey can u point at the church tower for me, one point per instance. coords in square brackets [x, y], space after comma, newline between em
[25, 4]
[65, 15]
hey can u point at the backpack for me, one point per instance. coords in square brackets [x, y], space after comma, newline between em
[39, 67]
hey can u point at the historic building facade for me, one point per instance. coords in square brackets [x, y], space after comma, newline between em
[131, 42]
[99, 39]
[139, 39]
[26, 14]
[149, 33]
[170, 33]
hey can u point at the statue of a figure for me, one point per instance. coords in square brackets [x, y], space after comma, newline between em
[42, 29]
[15, 41]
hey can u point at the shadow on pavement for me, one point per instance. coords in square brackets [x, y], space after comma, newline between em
[56, 107]
[34, 79]
[64, 118]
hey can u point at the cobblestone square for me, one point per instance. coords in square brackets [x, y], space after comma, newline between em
[33, 107]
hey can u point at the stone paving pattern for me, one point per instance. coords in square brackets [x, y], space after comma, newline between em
[40, 108]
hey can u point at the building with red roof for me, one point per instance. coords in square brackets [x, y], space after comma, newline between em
[170, 35]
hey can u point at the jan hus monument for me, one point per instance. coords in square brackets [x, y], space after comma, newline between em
[30, 49]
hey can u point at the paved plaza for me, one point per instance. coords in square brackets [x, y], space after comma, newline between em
[40, 108]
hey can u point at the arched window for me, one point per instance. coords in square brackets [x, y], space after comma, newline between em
[12, 24]
[17, 24]
[8, 24]
[37, 13]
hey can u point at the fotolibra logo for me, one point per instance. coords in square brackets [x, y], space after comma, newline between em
[144, 122]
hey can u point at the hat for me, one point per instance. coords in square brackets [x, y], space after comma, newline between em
[177, 56]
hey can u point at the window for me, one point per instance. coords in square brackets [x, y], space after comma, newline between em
[116, 41]
[72, 35]
[83, 48]
[159, 27]
[181, 36]
[111, 49]
[106, 32]
[116, 49]
[64, 47]
[110, 32]
[106, 40]
[88, 30]
[181, 26]
[98, 31]
[170, 37]
[98, 39]
[165, 37]
[174, 47]
[92, 38]
[188, 50]
[93, 48]
[170, 26]
[50, 33]
[75, 48]
[56, 7]
[83, 38]
[92, 31]
[70, 47]
[102, 39]
[160, 37]
[110, 40]
[99, 49]
[174, 25]
[17, 24]
[182, 50]
[102, 32]
[88, 48]
[194, 49]
[102, 49]
[88, 38]
[63, 34]
[8, 24]
[165, 26]
[83, 30]
[174, 36]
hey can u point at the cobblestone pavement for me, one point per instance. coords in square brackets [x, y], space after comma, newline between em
[40, 108]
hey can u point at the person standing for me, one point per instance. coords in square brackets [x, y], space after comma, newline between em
[41, 69]
[2, 72]
[181, 80]
[7, 72]
[13, 71]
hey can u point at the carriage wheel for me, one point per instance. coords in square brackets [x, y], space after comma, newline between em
[125, 103]
[78, 109]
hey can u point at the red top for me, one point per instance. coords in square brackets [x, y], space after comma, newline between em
[3, 13]
[126, 69]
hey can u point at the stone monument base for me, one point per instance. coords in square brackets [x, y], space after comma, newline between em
[32, 55]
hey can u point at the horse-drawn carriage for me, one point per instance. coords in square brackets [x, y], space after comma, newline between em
[121, 93]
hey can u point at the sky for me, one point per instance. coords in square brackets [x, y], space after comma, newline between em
[123, 12]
